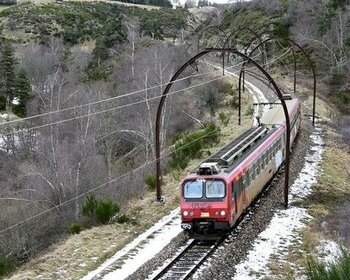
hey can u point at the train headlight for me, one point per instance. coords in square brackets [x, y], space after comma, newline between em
[191, 213]
[185, 213]
[223, 213]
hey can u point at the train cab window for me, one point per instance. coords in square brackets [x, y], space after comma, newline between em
[215, 189]
[193, 189]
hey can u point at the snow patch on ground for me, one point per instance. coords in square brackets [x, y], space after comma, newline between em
[140, 250]
[329, 251]
[258, 97]
[285, 225]
[301, 187]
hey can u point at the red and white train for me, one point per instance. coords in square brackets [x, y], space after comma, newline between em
[215, 195]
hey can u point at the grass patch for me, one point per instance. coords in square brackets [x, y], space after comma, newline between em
[75, 228]
[337, 271]
[150, 181]
[333, 186]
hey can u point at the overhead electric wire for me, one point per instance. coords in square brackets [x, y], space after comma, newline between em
[102, 185]
[111, 109]
[107, 110]
[112, 98]
[115, 108]
[119, 177]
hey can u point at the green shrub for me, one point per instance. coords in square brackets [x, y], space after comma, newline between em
[224, 119]
[75, 228]
[249, 111]
[192, 145]
[105, 210]
[2, 268]
[151, 181]
[100, 211]
[97, 73]
[336, 271]
[89, 207]
[2, 103]
[5, 266]
[123, 219]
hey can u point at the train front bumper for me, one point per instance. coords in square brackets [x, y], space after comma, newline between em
[205, 226]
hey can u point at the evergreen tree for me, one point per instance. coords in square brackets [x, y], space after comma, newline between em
[7, 72]
[22, 92]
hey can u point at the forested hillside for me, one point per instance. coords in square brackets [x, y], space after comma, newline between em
[68, 58]
[87, 77]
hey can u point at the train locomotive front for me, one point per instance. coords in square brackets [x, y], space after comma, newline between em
[204, 203]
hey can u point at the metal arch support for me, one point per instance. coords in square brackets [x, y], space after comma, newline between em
[174, 78]
[295, 44]
[205, 30]
[257, 36]
[225, 35]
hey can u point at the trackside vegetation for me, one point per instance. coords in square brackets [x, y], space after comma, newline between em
[340, 270]
[99, 211]
[192, 144]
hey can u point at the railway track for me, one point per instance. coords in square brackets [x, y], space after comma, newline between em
[186, 263]
[189, 260]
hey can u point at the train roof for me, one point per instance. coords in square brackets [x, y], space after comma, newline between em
[230, 156]
[275, 115]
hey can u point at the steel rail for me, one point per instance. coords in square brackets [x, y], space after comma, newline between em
[191, 251]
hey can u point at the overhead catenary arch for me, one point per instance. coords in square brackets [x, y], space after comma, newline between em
[293, 44]
[215, 27]
[175, 77]
[240, 29]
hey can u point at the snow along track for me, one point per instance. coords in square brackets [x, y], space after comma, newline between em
[139, 251]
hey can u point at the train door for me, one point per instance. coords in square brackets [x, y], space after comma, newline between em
[244, 185]
[237, 190]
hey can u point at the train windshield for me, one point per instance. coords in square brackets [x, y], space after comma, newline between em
[193, 189]
[204, 188]
[214, 189]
